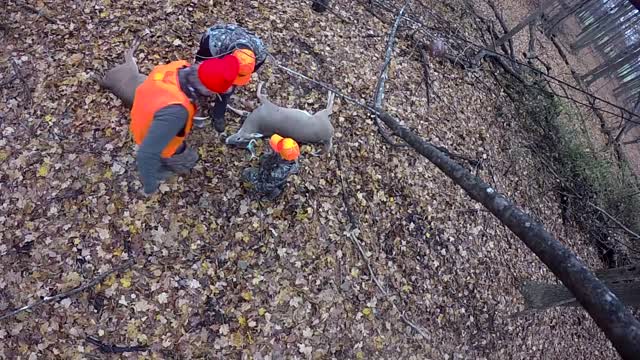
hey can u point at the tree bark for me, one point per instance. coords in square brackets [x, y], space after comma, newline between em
[612, 67]
[630, 49]
[541, 296]
[623, 281]
[609, 313]
[611, 21]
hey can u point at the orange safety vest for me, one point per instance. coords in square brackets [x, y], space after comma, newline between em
[160, 89]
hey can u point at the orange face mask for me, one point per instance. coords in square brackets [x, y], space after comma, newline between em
[247, 60]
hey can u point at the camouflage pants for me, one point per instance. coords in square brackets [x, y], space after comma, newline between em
[271, 177]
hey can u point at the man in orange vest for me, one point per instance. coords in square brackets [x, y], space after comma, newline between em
[275, 167]
[162, 114]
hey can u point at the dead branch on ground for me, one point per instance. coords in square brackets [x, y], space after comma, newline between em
[25, 87]
[114, 349]
[274, 61]
[425, 66]
[37, 12]
[503, 24]
[352, 233]
[379, 94]
[72, 292]
[531, 54]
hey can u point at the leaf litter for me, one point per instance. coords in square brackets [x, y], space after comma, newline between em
[219, 275]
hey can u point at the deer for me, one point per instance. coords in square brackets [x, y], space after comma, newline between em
[268, 119]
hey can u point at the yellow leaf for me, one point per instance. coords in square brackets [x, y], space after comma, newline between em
[262, 311]
[110, 280]
[407, 288]
[126, 280]
[366, 311]
[132, 329]
[43, 170]
[184, 233]
[3, 155]
[378, 342]
[133, 229]
[355, 272]
[242, 320]
[237, 339]
[200, 229]
[108, 174]
[49, 119]
[247, 295]
[117, 252]
[360, 355]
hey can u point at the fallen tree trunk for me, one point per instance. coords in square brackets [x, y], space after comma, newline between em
[618, 324]
[623, 281]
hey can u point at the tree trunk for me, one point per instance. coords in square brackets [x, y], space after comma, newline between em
[611, 66]
[604, 22]
[618, 324]
[617, 29]
[555, 21]
[541, 296]
[624, 52]
[623, 281]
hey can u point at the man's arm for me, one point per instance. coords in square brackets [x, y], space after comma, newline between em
[167, 123]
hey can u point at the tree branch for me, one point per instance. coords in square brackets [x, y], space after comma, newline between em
[379, 94]
[503, 25]
[425, 66]
[66, 294]
[618, 324]
[114, 349]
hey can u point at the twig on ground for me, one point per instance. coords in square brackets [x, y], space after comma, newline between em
[38, 12]
[114, 349]
[503, 25]
[378, 97]
[620, 224]
[498, 60]
[531, 54]
[8, 81]
[351, 233]
[352, 219]
[25, 86]
[66, 294]
[425, 66]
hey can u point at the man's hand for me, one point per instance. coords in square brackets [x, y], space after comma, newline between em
[150, 187]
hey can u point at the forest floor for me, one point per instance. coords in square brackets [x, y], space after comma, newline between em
[218, 274]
